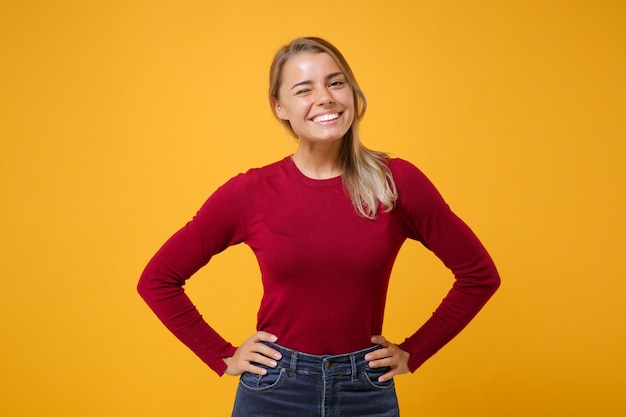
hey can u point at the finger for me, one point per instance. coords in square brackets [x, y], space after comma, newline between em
[262, 348]
[389, 362]
[382, 362]
[377, 354]
[262, 336]
[386, 377]
[262, 359]
[380, 340]
[382, 352]
[268, 351]
[249, 361]
[255, 369]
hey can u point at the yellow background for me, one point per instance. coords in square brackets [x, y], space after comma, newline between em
[118, 118]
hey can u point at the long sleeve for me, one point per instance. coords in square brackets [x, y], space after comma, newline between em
[217, 225]
[431, 222]
[308, 238]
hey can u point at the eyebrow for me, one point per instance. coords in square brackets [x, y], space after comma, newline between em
[308, 82]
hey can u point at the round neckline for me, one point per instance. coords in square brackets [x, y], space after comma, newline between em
[308, 180]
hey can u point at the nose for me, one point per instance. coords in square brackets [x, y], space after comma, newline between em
[324, 97]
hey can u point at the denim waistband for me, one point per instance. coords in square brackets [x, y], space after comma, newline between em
[347, 363]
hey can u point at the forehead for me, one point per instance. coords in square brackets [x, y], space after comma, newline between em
[308, 65]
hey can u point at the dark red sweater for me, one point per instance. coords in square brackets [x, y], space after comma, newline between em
[324, 268]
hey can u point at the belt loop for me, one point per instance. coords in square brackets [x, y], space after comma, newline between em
[294, 359]
[353, 363]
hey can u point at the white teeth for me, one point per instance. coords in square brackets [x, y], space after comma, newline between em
[326, 117]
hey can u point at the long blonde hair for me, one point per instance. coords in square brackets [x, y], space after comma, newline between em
[366, 176]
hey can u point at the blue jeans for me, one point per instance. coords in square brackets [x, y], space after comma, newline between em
[304, 385]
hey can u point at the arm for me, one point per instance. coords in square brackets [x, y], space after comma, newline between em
[430, 220]
[217, 225]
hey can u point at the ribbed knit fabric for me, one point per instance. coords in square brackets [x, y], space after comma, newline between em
[325, 269]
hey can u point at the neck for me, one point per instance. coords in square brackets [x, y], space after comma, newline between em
[318, 163]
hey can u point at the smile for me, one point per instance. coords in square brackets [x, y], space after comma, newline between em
[326, 117]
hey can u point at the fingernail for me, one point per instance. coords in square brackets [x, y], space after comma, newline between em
[273, 364]
[277, 355]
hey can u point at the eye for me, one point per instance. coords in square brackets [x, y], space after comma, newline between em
[302, 92]
[337, 83]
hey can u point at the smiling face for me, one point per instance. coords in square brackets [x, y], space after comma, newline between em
[315, 97]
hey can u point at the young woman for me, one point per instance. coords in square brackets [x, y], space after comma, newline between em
[325, 224]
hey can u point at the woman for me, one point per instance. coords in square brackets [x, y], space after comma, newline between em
[325, 225]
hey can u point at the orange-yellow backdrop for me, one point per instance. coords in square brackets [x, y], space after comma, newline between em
[118, 118]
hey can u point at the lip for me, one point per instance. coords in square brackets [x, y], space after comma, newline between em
[339, 113]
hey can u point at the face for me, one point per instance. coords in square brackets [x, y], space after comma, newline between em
[315, 97]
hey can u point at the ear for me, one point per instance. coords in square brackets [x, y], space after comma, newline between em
[280, 112]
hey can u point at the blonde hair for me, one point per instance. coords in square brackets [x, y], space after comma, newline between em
[366, 176]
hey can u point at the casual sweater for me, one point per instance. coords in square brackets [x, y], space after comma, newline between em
[325, 269]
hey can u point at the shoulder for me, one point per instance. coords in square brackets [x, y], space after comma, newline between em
[252, 178]
[414, 188]
[268, 171]
[400, 165]
[235, 196]
[406, 173]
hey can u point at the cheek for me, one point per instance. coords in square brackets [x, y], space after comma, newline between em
[352, 106]
[349, 102]
[296, 107]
